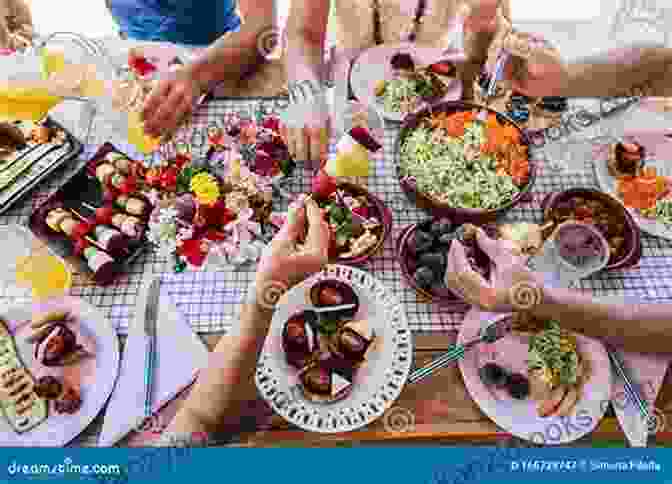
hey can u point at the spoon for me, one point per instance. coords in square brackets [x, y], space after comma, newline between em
[491, 333]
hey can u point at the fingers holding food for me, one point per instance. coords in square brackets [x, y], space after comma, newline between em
[568, 403]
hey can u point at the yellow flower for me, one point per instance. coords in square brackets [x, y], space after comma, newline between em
[206, 188]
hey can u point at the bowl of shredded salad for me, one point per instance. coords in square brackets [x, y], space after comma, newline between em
[452, 164]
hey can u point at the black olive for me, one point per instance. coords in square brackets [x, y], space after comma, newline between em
[518, 386]
[493, 374]
[441, 227]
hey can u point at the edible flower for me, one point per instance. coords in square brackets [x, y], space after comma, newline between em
[205, 187]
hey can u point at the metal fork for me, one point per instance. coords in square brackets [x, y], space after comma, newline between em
[496, 76]
[491, 333]
[631, 389]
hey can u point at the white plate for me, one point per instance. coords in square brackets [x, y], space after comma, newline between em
[377, 384]
[659, 155]
[519, 417]
[373, 66]
[97, 375]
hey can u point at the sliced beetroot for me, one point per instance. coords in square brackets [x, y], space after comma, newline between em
[364, 138]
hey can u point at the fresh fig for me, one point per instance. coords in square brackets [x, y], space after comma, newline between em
[331, 292]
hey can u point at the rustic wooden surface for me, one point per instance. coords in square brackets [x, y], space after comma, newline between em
[442, 410]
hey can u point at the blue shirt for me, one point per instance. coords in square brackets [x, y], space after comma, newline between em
[196, 23]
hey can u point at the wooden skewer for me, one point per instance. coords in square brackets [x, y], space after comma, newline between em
[87, 238]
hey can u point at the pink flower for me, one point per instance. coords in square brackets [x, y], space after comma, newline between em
[362, 211]
[272, 123]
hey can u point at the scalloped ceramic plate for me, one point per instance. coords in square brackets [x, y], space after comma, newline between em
[373, 66]
[519, 417]
[377, 384]
[95, 376]
[658, 146]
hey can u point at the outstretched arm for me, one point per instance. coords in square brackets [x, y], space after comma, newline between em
[228, 59]
[639, 327]
[639, 70]
[223, 402]
[236, 54]
[306, 37]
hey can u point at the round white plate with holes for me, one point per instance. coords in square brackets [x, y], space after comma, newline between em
[373, 66]
[376, 385]
[95, 376]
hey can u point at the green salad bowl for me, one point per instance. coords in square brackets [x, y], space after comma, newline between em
[437, 208]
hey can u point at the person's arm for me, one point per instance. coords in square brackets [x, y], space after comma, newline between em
[237, 54]
[645, 327]
[640, 70]
[224, 401]
[225, 391]
[306, 37]
[479, 33]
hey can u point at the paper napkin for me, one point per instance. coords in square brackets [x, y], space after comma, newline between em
[180, 354]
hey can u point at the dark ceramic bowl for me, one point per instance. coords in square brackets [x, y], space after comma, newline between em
[632, 252]
[440, 295]
[382, 213]
[439, 209]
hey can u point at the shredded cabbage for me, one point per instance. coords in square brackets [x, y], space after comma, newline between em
[664, 211]
[554, 352]
[454, 170]
[400, 95]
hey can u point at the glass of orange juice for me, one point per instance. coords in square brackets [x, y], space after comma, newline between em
[32, 270]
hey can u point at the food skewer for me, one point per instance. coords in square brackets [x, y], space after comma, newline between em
[107, 238]
[59, 220]
[127, 224]
[99, 261]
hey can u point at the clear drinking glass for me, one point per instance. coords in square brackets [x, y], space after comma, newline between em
[30, 269]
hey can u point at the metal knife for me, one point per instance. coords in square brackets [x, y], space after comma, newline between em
[637, 430]
[151, 314]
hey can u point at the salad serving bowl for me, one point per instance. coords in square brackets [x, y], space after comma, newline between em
[438, 208]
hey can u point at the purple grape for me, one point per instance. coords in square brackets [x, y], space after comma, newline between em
[518, 386]
[434, 260]
[424, 277]
[423, 241]
[441, 227]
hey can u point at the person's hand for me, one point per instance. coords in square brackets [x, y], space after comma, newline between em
[536, 68]
[173, 98]
[305, 125]
[512, 286]
[282, 265]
